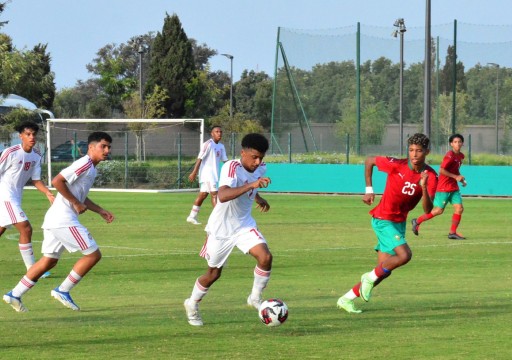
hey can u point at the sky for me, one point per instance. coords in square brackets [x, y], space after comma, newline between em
[76, 29]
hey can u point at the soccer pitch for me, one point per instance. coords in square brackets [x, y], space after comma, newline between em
[452, 301]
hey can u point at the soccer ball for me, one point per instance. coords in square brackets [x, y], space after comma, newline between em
[273, 312]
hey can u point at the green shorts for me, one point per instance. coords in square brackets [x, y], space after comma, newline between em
[390, 235]
[443, 198]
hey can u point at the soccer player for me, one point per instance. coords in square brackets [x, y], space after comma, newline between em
[207, 165]
[409, 181]
[19, 164]
[448, 189]
[231, 224]
[62, 230]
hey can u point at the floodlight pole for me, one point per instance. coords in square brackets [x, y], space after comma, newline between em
[497, 66]
[230, 57]
[400, 25]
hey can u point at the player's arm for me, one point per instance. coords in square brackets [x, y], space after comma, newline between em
[194, 172]
[42, 188]
[426, 199]
[60, 183]
[458, 178]
[107, 215]
[369, 195]
[227, 193]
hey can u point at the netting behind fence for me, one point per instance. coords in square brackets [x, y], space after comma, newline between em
[316, 86]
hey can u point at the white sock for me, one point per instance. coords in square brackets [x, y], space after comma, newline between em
[261, 279]
[23, 286]
[350, 295]
[373, 275]
[71, 281]
[194, 211]
[27, 254]
[198, 292]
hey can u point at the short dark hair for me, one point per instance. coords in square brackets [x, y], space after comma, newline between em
[97, 136]
[255, 141]
[420, 139]
[455, 136]
[215, 126]
[27, 125]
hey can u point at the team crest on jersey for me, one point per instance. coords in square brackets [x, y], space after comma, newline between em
[397, 237]
[27, 165]
[22, 214]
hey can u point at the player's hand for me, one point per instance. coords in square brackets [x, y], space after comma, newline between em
[261, 183]
[51, 197]
[107, 215]
[368, 198]
[192, 177]
[262, 205]
[424, 178]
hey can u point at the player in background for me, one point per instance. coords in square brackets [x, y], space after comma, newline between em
[62, 230]
[207, 165]
[408, 182]
[231, 224]
[19, 164]
[447, 189]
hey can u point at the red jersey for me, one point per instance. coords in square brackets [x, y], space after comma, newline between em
[403, 190]
[451, 163]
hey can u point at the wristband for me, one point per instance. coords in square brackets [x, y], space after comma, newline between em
[369, 190]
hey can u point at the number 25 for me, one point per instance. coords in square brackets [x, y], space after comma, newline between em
[409, 188]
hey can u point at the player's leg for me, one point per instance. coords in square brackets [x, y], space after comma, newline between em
[458, 209]
[25, 242]
[213, 195]
[198, 202]
[440, 201]
[2, 230]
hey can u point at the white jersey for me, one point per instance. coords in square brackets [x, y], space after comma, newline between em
[211, 154]
[16, 168]
[228, 218]
[80, 177]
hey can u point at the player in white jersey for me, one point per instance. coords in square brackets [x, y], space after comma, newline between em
[231, 224]
[62, 230]
[19, 164]
[207, 165]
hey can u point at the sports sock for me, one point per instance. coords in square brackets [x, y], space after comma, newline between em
[424, 217]
[351, 294]
[195, 211]
[378, 272]
[261, 279]
[70, 282]
[455, 223]
[198, 292]
[23, 286]
[27, 254]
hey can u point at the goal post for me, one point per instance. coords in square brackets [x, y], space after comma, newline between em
[147, 154]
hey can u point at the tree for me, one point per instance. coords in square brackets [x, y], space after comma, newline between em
[171, 65]
[447, 73]
[72, 103]
[244, 94]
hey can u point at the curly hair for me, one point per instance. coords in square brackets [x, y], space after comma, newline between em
[419, 139]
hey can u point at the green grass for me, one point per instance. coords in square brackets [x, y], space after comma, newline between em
[452, 301]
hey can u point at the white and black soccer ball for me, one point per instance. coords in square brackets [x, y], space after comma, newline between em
[273, 312]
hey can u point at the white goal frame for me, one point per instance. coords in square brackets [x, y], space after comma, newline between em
[107, 121]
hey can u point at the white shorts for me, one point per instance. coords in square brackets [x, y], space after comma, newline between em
[208, 187]
[73, 239]
[11, 213]
[217, 250]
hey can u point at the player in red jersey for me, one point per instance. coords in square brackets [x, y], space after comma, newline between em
[448, 189]
[409, 181]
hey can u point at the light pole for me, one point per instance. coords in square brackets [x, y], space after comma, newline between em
[230, 57]
[141, 50]
[497, 66]
[400, 29]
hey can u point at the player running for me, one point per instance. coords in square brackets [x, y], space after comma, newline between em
[408, 181]
[19, 164]
[207, 164]
[447, 189]
[231, 224]
[62, 230]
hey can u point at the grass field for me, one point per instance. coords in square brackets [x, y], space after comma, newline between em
[452, 301]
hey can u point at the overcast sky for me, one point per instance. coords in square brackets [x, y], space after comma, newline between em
[76, 29]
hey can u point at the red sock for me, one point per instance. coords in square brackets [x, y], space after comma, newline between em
[424, 217]
[455, 223]
[355, 289]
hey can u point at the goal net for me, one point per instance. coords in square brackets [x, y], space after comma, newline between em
[147, 154]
